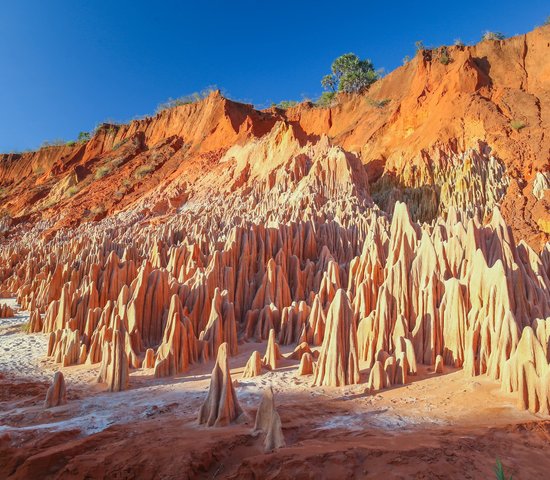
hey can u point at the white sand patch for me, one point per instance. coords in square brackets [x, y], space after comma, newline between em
[21, 354]
[382, 418]
[20, 317]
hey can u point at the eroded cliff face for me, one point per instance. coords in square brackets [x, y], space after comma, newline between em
[379, 233]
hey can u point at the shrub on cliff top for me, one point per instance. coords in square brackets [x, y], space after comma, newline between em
[84, 137]
[492, 36]
[327, 99]
[284, 104]
[185, 99]
[350, 74]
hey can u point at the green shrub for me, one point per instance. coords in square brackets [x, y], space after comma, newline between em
[185, 100]
[458, 43]
[52, 143]
[327, 99]
[102, 172]
[72, 191]
[350, 74]
[492, 36]
[117, 145]
[419, 45]
[284, 104]
[517, 125]
[83, 137]
[378, 103]
[71, 143]
[406, 59]
[547, 21]
[444, 57]
[144, 170]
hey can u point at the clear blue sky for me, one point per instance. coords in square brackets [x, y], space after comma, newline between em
[67, 65]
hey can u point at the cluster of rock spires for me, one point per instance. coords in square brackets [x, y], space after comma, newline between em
[387, 295]
[267, 231]
[6, 311]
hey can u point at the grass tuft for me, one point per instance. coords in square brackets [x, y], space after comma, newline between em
[517, 125]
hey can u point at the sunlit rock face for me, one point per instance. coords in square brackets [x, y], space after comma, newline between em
[398, 236]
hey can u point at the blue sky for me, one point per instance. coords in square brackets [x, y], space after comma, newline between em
[67, 65]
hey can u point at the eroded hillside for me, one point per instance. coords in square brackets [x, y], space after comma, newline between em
[400, 230]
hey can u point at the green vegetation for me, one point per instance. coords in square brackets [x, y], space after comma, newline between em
[83, 137]
[419, 45]
[70, 143]
[52, 143]
[406, 59]
[185, 100]
[547, 21]
[499, 471]
[327, 99]
[284, 104]
[350, 74]
[378, 103]
[492, 36]
[119, 144]
[72, 191]
[458, 43]
[143, 171]
[517, 125]
[102, 172]
[443, 56]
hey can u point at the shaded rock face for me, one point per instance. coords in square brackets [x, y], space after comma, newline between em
[268, 422]
[57, 393]
[6, 311]
[221, 406]
[245, 226]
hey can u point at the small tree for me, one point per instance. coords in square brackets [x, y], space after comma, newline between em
[492, 36]
[84, 136]
[419, 44]
[547, 21]
[350, 74]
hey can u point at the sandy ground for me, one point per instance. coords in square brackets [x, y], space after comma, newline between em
[438, 426]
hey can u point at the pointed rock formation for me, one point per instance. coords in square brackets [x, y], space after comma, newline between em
[439, 367]
[272, 352]
[178, 348]
[6, 311]
[221, 406]
[253, 367]
[338, 361]
[114, 370]
[57, 393]
[306, 364]
[269, 423]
